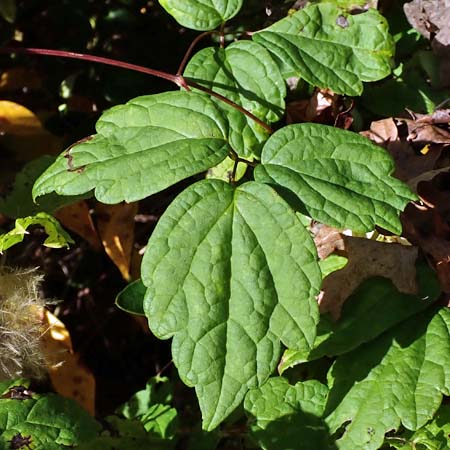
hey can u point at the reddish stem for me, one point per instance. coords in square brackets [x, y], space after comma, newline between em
[191, 48]
[96, 59]
[178, 79]
[229, 102]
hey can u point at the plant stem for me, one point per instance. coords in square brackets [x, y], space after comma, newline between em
[442, 104]
[191, 48]
[96, 59]
[160, 371]
[178, 79]
[222, 36]
[235, 157]
[229, 102]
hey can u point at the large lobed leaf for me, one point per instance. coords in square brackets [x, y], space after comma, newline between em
[230, 272]
[399, 378]
[245, 73]
[141, 148]
[330, 48]
[342, 178]
[202, 14]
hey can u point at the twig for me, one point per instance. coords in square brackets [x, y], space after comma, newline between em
[95, 59]
[442, 104]
[222, 36]
[229, 102]
[178, 79]
[191, 48]
[160, 371]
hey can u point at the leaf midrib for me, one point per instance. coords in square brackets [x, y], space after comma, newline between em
[305, 176]
[286, 35]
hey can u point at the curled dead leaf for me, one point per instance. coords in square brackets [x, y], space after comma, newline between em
[410, 163]
[426, 132]
[327, 239]
[312, 109]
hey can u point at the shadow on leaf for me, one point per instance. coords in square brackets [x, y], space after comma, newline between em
[299, 431]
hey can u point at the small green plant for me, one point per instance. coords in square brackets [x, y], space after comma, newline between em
[231, 273]
[30, 420]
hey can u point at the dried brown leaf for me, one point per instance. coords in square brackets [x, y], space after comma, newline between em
[431, 18]
[366, 259]
[327, 240]
[382, 131]
[409, 163]
[310, 110]
[438, 116]
[426, 133]
[77, 218]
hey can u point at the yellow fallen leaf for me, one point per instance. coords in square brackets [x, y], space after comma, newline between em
[68, 375]
[115, 224]
[18, 120]
[23, 137]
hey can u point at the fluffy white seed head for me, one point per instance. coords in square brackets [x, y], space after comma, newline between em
[20, 324]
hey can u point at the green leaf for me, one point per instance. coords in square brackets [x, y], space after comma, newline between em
[125, 443]
[346, 4]
[375, 307]
[149, 421]
[342, 178]
[161, 420]
[125, 434]
[230, 272]
[141, 148]
[19, 202]
[245, 73]
[331, 264]
[224, 170]
[6, 385]
[435, 435]
[157, 391]
[57, 237]
[330, 48]
[131, 298]
[288, 417]
[51, 421]
[202, 14]
[398, 378]
[411, 91]
[204, 440]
